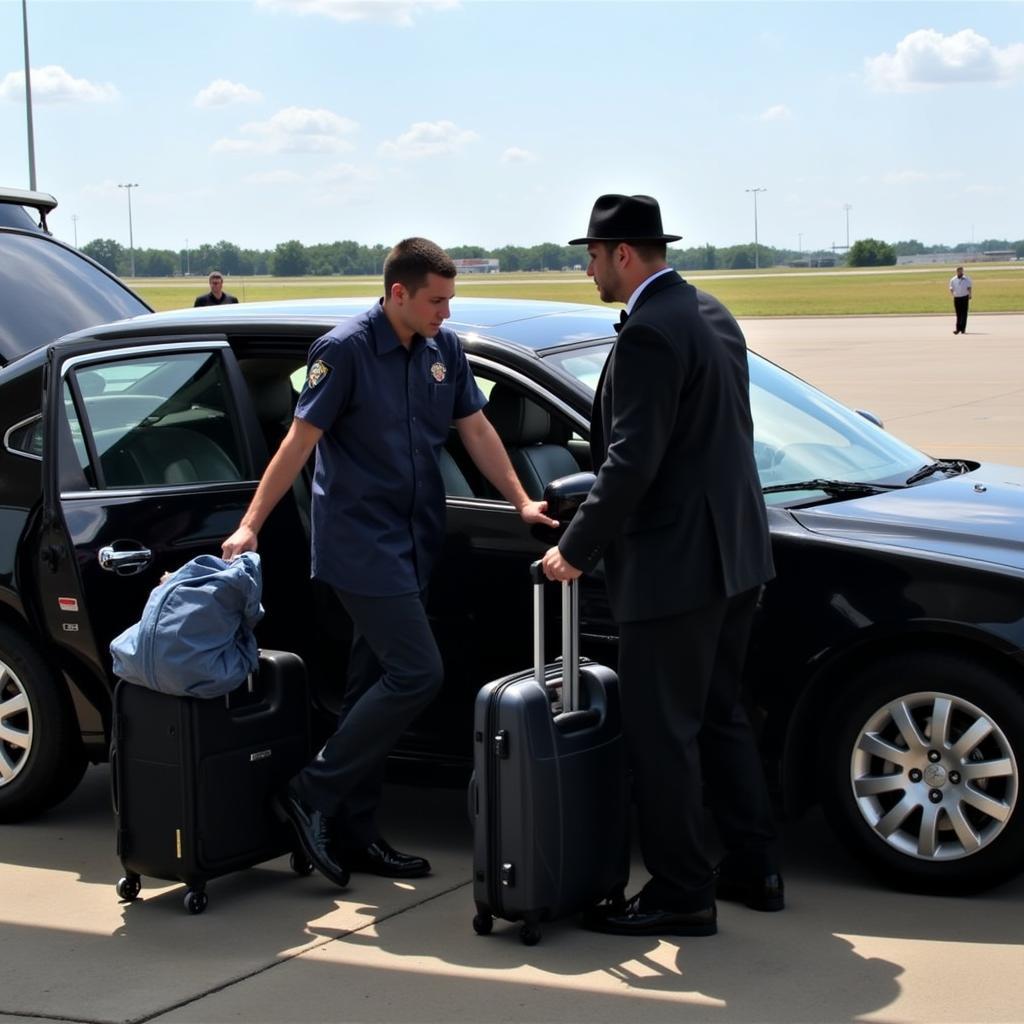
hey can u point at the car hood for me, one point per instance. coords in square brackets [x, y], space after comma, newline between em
[979, 516]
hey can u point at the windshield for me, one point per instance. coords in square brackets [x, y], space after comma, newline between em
[799, 432]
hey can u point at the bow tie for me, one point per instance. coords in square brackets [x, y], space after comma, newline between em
[623, 317]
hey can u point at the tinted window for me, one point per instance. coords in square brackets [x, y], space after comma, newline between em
[47, 290]
[154, 421]
[28, 438]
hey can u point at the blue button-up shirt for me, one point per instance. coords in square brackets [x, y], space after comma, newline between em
[378, 496]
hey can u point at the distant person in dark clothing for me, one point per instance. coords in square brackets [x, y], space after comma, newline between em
[960, 289]
[216, 296]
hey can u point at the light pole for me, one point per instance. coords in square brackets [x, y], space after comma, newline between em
[28, 101]
[757, 261]
[74, 222]
[131, 240]
[847, 207]
[799, 243]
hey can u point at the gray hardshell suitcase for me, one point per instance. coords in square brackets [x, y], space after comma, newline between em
[549, 796]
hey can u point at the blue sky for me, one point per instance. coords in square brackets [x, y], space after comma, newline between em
[496, 123]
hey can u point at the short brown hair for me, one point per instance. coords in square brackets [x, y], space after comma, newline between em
[649, 252]
[411, 260]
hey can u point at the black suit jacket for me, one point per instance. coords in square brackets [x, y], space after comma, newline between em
[677, 510]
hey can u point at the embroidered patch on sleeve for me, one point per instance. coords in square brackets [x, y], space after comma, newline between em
[317, 372]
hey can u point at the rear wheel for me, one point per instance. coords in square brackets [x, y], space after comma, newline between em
[41, 754]
[923, 768]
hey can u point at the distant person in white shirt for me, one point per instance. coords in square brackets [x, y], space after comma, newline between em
[960, 289]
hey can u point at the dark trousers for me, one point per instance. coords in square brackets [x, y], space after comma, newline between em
[395, 671]
[689, 739]
[960, 304]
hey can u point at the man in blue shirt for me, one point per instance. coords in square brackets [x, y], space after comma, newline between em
[381, 392]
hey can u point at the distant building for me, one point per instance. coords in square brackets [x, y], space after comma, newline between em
[477, 266]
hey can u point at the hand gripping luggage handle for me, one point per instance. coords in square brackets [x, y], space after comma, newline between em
[570, 636]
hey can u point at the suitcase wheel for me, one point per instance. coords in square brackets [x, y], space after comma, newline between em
[530, 934]
[195, 901]
[483, 923]
[129, 887]
[300, 864]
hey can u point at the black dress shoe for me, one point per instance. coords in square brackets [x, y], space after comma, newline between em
[313, 830]
[380, 858]
[635, 919]
[762, 892]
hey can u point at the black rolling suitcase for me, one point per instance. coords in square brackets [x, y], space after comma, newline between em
[192, 778]
[549, 791]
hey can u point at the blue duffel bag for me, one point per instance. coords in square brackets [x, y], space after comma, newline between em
[195, 637]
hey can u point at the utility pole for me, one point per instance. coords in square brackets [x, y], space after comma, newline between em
[847, 207]
[757, 260]
[74, 222]
[131, 240]
[28, 101]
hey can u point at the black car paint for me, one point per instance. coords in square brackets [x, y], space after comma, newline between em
[848, 589]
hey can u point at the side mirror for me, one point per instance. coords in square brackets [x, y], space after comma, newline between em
[870, 417]
[564, 496]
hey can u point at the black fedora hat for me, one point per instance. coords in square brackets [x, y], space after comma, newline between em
[625, 219]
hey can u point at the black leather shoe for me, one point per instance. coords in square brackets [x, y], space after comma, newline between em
[313, 830]
[635, 919]
[763, 892]
[380, 858]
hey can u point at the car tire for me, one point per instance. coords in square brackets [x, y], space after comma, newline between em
[41, 754]
[923, 772]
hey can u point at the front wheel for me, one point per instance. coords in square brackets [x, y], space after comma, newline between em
[41, 753]
[923, 765]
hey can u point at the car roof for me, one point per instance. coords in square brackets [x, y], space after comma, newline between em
[527, 322]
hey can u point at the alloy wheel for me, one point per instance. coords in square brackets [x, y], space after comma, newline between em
[934, 776]
[15, 725]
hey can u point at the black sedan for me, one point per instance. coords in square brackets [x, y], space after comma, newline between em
[886, 676]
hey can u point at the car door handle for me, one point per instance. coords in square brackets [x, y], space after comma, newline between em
[125, 563]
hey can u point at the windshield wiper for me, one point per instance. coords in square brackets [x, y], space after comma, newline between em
[937, 467]
[834, 488]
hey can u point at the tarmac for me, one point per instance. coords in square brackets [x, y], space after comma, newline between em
[273, 947]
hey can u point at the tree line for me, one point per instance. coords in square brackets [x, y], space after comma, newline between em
[294, 259]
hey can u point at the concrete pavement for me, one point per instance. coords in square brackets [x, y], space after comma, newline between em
[272, 947]
[949, 395]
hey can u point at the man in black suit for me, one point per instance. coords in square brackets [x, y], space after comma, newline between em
[678, 515]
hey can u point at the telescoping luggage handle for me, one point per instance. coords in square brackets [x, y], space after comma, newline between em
[570, 636]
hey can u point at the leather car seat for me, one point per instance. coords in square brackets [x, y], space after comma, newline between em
[536, 444]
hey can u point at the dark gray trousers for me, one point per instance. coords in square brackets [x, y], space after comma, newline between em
[689, 739]
[395, 671]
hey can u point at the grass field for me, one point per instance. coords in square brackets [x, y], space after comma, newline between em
[998, 288]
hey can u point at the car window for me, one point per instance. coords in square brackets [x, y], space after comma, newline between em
[27, 438]
[802, 434]
[48, 290]
[799, 432]
[157, 421]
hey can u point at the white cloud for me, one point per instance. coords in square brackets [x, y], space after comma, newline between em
[402, 13]
[780, 112]
[331, 182]
[904, 177]
[926, 59]
[292, 130]
[428, 138]
[52, 84]
[274, 178]
[515, 155]
[222, 93]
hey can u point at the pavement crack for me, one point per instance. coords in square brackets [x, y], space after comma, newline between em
[277, 962]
